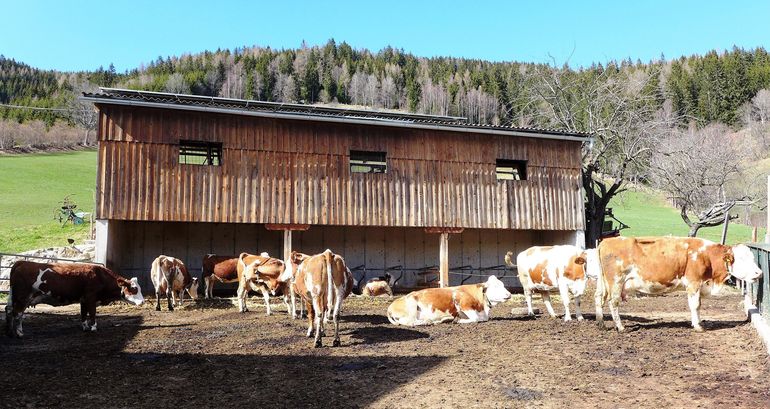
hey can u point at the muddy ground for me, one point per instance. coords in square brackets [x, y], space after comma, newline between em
[209, 355]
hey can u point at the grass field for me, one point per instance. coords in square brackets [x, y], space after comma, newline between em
[31, 187]
[648, 214]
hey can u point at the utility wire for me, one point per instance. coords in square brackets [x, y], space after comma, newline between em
[35, 108]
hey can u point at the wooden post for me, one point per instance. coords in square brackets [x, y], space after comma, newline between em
[724, 228]
[767, 231]
[754, 231]
[444, 260]
[286, 244]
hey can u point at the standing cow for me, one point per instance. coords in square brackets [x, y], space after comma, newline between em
[170, 277]
[543, 269]
[324, 281]
[289, 277]
[260, 273]
[63, 284]
[223, 269]
[656, 265]
[464, 304]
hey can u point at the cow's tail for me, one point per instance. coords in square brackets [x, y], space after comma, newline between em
[601, 282]
[328, 258]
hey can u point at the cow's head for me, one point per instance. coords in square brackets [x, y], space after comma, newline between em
[495, 291]
[592, 266]
[131, 291]
[193, 288]
[741, 263]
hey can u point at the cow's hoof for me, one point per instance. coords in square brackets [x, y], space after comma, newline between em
[336, 343]
[621, 329]
[580, 319]
[170, 308]
[601, 325]
[317, 344]
[157, 308]
[699, 329]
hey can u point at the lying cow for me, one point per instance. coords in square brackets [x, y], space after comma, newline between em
[543, 269]
[63, 284]
[223, 269]
[462, 304]
[323, 281]
[656, 265]
[260, 273]
[170, 277]
[377, 288]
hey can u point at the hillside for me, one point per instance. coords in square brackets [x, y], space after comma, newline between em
[33, 186]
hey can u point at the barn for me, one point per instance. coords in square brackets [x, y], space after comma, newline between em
[430, 199]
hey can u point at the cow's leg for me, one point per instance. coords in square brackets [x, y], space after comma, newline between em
[578, 313]
[564, 294]
[91, 313]
[471, 316]
[293, 297]
[157, 297]
[242, 292]
[266, 297]
[340, 294]
[693, 299]
[285, 299]
[615, 296]
[319, 315]
[547, 300]
[181, 297]
[207, 280]
[310, 317]
[170, 297]
[528, 298]
[599, 302]
[83, 315]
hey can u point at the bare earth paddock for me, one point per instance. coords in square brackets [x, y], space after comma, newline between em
[209, 355]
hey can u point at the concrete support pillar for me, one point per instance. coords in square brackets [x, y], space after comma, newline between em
[102, 240]
[767, 232]
[444, 260]
[286, 244]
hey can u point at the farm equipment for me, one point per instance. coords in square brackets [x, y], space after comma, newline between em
[611, 226]
[66, 212]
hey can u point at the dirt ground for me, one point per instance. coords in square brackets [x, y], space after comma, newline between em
[209, 355]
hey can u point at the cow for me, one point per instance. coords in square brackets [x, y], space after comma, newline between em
[63, 284]
[657, 265]
[289, 277]
[544, 269]
[223, 269]
[323, 281]
[462, 304]
[169, 276]
[260, 273]
[375, 288]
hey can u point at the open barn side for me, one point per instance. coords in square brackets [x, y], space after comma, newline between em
[408, 253]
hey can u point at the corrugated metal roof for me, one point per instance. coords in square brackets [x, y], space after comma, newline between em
[315, 112]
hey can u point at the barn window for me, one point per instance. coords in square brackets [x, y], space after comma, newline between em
[368, 162]
[200, 153]
[508, 169]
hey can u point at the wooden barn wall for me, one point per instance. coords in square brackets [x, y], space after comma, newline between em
[138, 243]
[281, 171]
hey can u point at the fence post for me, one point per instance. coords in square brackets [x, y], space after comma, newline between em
[767, 225]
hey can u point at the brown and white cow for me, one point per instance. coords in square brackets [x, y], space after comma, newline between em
[223, 269]
[169, 276]
[323, 281]
[260, 273]
[543, 269]
[462, 304]
[377, 288]
[290, 276]
[656, 265]
[63, 284]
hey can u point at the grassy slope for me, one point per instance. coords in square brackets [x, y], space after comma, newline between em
[648, 214]
[31, 187]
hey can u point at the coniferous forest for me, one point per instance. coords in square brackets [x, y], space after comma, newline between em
[699, 89]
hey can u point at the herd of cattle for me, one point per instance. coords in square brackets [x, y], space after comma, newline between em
[322, 282]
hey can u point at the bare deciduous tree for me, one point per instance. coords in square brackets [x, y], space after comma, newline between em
[177, 84]
[693, 168]
[612, 107]
[82, 113]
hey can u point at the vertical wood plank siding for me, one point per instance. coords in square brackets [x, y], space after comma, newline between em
[282, 171]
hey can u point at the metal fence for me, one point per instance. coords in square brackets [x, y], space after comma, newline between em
[759, 291]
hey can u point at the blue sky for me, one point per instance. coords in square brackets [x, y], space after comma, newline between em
[80, 35]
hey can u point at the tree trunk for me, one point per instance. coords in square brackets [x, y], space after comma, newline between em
[694, 230]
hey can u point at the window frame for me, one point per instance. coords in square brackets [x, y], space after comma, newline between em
[211, 152]
[518, 168]
[377, 161]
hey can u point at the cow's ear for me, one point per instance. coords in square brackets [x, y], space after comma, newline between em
[729, 258]
[580, 260]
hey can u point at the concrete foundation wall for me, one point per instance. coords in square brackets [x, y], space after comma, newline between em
[133, 245]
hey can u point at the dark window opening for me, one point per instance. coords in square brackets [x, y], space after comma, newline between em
[200, 153]
[368, 162]
[508, 169]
